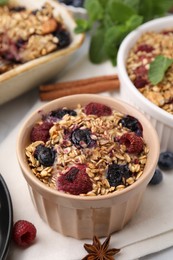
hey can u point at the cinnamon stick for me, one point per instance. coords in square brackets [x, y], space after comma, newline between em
[75, 83]
[90, 85]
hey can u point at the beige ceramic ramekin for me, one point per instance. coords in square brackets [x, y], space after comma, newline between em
[82, 216]
[160, 119]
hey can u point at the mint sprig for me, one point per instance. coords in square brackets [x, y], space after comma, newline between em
[3, 2]
[158, 68]
[109, 21]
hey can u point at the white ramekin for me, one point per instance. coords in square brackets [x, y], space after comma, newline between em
[160, 119]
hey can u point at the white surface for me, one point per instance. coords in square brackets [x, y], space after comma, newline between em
[150, 230]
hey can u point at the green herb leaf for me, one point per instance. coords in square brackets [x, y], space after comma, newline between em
[118, 11]
[158, 68]
[82, 26]
[94, 9]
[3, 2]
[111, 20]
[97, 52]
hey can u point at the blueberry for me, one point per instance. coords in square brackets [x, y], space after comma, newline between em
[157, 177]
[44, 155]
[82, 138]
[116, 172]
[63, 37]
[166, 161]
[132, 123]
[78, 3]
[59, 113]
[20, 43]
[67, 2]
[18, 8]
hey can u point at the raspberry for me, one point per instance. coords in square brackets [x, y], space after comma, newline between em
[145, 47]
[97, 109]
[24, 233]
[133, 143]
[140, 71]
[140, 82]
[75, 181]
[41, 132]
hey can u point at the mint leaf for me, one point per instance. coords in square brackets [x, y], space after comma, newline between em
[97, 52]
[158, 68]
[118, 11]
[94, 9]
[82, 26]
[3, 2]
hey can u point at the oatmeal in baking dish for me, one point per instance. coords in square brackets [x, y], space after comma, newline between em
[88, 151]
[29, 34]
[147, 48]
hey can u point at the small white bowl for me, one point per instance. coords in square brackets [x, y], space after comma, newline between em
[33, 73]
[160, 119]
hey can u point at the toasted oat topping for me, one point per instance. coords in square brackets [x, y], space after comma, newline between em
[29, 34]
[95, 150]
[148, 46]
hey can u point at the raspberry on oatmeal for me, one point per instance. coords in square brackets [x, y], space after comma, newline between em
[88, 154]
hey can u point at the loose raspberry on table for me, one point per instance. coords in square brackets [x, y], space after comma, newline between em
[75, 181]
[97, 109]
[133, 143]
[40, 132]
[24, 233]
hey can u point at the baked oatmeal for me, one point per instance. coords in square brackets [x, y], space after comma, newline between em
[147, 48]
[29, 34]
[87, 151]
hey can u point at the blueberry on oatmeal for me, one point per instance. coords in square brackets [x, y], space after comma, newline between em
[59, 113]
[116, 173]
[82, 138]
[132, 123]
[63, 38]
[45, 155]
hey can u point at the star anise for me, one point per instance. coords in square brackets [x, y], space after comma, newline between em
[98, 251]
